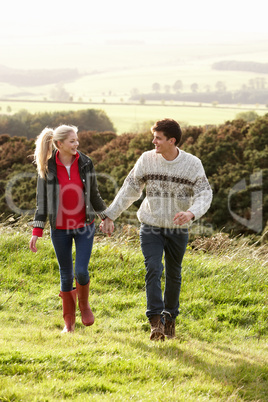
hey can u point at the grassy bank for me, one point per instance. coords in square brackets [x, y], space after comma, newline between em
[220, 353]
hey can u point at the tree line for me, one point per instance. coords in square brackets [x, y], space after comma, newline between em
[235, 65]
[245, 95]
[234, 156]
[252, 92]
[29, 125]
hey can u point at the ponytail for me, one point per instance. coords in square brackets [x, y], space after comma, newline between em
[43, 150]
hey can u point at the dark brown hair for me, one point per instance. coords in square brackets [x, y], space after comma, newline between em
[170, 128]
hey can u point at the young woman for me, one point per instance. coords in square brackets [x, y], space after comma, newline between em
[67, 193]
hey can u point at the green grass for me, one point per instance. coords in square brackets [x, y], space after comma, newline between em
[130, 117]
[220, 353]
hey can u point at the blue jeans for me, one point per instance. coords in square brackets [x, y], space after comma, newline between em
[62, 241]
[172, 243]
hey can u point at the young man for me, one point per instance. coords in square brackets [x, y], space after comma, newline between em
[177, 193]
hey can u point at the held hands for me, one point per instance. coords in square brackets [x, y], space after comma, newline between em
[107, 226]
[181, 218]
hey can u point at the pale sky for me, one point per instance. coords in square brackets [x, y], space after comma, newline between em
[50, 21]
[55, 33]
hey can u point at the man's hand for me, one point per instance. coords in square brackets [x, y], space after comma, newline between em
[181, 218]
[107, 226]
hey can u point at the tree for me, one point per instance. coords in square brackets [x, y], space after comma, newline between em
[30, 125]
[142, 100]
[156, 87]
[194, 87]
[177, 87]
[258, 83]
[59, 93]
[247, 116]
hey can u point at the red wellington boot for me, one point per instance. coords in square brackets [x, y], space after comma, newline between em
[69, 307]
[86, 313]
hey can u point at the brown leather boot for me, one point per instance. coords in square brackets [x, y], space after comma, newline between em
[157, 328]
[170, 329]
[68, 307]
[86, 313]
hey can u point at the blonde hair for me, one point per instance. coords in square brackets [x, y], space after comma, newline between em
[46, 142]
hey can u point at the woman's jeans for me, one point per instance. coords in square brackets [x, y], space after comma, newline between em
[62, 241]
[154, 242]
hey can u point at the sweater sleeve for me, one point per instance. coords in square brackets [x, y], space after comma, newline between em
[37, 232]
[202, 196]
[130, 191]
[40, 215]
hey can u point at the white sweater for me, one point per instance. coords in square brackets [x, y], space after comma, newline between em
[171, 187]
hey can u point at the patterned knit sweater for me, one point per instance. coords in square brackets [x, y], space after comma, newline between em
[171, 187]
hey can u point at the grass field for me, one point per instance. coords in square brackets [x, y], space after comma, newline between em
[130, 117]
[220, 352]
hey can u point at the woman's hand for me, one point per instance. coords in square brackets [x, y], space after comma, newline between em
[32, 244]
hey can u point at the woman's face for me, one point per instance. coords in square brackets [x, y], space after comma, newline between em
[69, 145]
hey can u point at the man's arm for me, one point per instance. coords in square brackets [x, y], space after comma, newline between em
[202, 193]
[130, 192]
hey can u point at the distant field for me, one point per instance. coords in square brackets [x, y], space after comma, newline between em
[121, 82]
[130, 117]
[113, 71]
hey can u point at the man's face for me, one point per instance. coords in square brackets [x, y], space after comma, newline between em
[163, 145]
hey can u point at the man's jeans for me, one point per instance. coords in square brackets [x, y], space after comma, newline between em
[62, 241]
[154, 242]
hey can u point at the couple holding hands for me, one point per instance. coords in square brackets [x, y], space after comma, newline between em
[177, 193]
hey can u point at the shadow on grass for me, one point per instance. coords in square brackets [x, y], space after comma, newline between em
[232, 368]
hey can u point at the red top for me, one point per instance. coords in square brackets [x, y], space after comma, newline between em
[71, 213]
